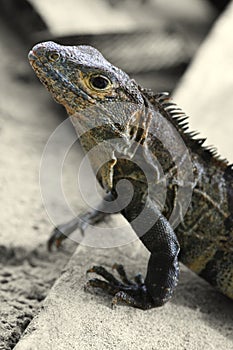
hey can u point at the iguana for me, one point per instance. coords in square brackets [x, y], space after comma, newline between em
[159, 157]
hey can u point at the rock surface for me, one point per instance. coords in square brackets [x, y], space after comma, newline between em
[197, 318]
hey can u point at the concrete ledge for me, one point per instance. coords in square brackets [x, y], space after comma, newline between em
[197, 318]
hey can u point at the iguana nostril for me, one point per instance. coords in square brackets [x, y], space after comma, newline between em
[41, 48]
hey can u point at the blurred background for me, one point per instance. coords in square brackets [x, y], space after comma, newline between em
[153, 40]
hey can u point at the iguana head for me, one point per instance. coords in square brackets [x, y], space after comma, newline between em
[102, 101]
[79, 77]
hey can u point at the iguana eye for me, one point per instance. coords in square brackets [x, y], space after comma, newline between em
[54, 56]
[99, 82]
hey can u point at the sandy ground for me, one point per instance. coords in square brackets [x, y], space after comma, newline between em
[197, 317]
[27, 271]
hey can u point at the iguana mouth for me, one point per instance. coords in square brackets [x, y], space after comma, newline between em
[46, 73]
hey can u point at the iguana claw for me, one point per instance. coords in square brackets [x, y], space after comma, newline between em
[123, 290]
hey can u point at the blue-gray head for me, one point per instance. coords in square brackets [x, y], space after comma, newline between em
[79, 76]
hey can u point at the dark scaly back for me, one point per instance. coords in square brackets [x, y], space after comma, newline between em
[206, 234]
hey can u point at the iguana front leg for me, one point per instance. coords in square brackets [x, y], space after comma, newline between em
[163, 268]
[61, 232]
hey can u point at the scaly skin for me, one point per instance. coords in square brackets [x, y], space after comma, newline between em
[151, 138]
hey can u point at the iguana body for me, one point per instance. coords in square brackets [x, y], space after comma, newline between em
[151, 137]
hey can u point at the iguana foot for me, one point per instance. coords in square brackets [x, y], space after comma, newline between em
[61, 232]
[132, 293]
[56, 238]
